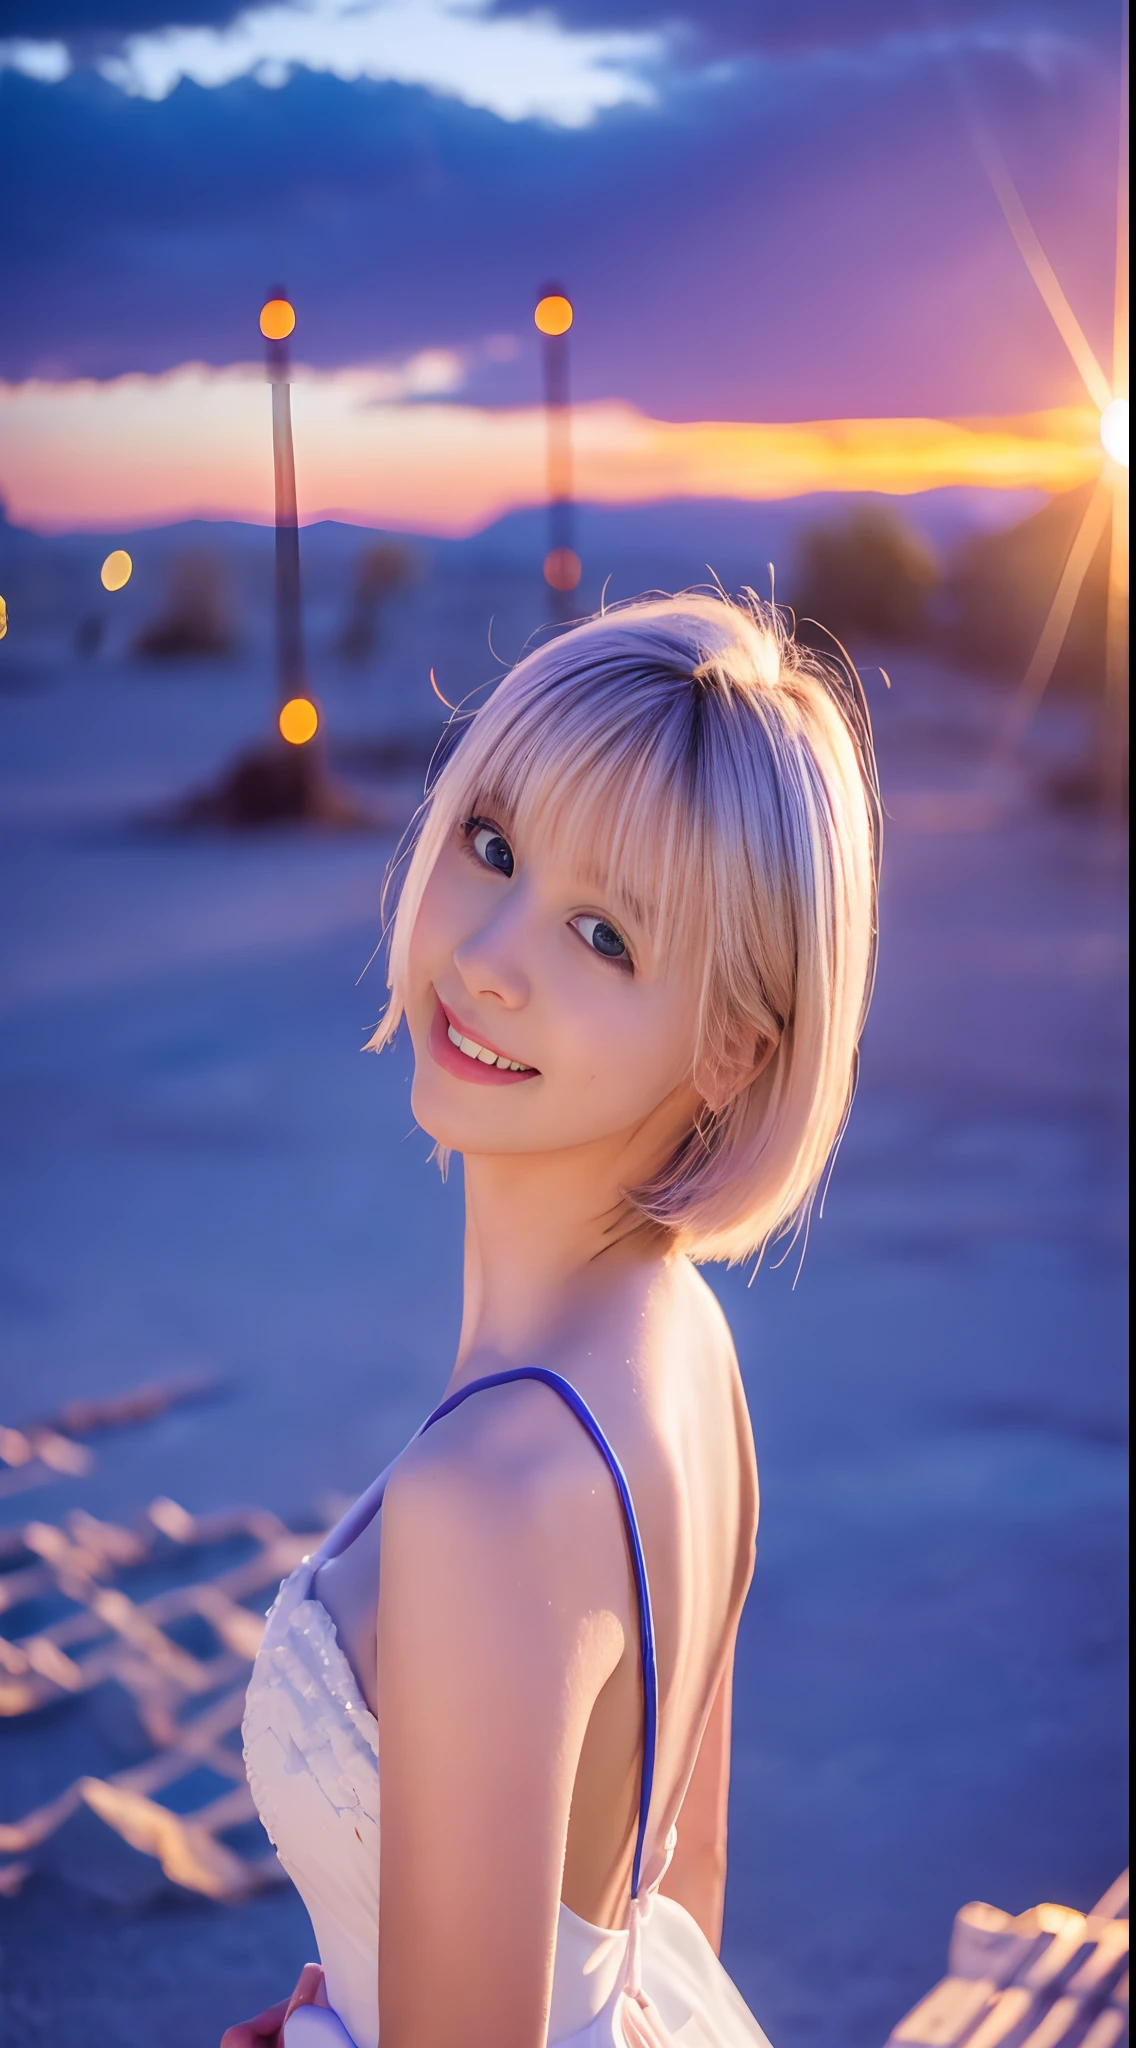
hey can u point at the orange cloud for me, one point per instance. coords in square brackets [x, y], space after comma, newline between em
[141, 451]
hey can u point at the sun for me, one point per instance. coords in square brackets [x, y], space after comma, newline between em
[1107, 509]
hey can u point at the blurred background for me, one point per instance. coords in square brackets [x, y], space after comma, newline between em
[549, 303]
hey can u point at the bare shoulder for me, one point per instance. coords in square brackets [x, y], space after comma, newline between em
[509, 1475]
[718, 1340]
[719, 1361]
[711, 1316]
[514, 1445]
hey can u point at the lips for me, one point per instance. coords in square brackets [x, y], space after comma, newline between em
[469, 1066]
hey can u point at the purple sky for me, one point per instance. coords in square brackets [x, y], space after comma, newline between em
[795, 226]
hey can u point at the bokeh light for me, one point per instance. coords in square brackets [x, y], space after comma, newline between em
[554, 314]
[299, 721]
[562, 568]
[3, 618]
[117, 570]
[277, 319]
[1114, 431]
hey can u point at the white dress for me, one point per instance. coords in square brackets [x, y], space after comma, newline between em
[312, 1755]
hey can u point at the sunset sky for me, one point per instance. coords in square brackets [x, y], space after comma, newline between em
[766, 215]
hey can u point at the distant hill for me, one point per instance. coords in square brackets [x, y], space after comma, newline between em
[455, 594]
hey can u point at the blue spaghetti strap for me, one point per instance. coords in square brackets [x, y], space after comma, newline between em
[583, 1414]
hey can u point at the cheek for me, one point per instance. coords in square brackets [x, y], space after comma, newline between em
[433, 936]
[624, 1046]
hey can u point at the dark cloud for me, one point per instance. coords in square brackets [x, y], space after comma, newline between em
[726, 25]
[792, 26]
[786, 241]
[104, 20]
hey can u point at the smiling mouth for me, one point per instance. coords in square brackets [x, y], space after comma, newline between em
[488, 1058]
[468, 1059]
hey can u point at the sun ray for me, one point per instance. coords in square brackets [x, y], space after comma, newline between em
[1115, 723]
[1115, 734]
[1041, 270]
[1086, 540]
[1021, 227]
[1108, 506]
[1120, 302]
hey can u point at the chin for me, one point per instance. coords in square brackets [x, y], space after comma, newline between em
[430, 1117]
[467, 1135]
[429, 1111]
[460, 1128]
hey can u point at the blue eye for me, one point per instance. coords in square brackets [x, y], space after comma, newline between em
[492, 848]
[601, 937]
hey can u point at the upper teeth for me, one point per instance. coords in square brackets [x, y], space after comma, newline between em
[474, 1051]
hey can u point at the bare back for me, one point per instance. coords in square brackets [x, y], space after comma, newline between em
[650, 1352]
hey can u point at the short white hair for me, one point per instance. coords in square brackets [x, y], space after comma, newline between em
[726, 778]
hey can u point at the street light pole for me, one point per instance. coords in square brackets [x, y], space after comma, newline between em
[553, 317]
[277, 321]
[284, 781]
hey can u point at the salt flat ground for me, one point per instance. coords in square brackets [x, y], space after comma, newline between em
[200, 1170]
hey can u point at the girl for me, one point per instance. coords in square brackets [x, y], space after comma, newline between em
[633, 950]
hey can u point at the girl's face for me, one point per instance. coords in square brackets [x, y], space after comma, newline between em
[541, 1018]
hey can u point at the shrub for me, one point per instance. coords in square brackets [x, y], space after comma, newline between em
[865, 574]
[196, 619]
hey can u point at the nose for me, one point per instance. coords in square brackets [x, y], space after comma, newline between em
[491, 960]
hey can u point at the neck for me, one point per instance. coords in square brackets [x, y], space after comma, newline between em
[541, 1231]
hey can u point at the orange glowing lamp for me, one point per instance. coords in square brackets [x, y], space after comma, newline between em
[117, 570]
[3, 618]
[277, 319]
[562, 568]
[299, 721]
[553, 314]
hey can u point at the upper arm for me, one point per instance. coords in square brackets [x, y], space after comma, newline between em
[495, 1636]
[697, 1874]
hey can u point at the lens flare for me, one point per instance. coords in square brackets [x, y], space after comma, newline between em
[277, 319]
[117, 570]
[3, 618]
[554, 314]
[299, 721]
[562, 568]
[1114, 431]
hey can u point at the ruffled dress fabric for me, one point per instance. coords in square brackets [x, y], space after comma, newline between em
[312, 1755]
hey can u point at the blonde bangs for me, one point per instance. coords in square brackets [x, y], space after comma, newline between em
[615, 812]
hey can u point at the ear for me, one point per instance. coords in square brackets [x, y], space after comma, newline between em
[721, 1080]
